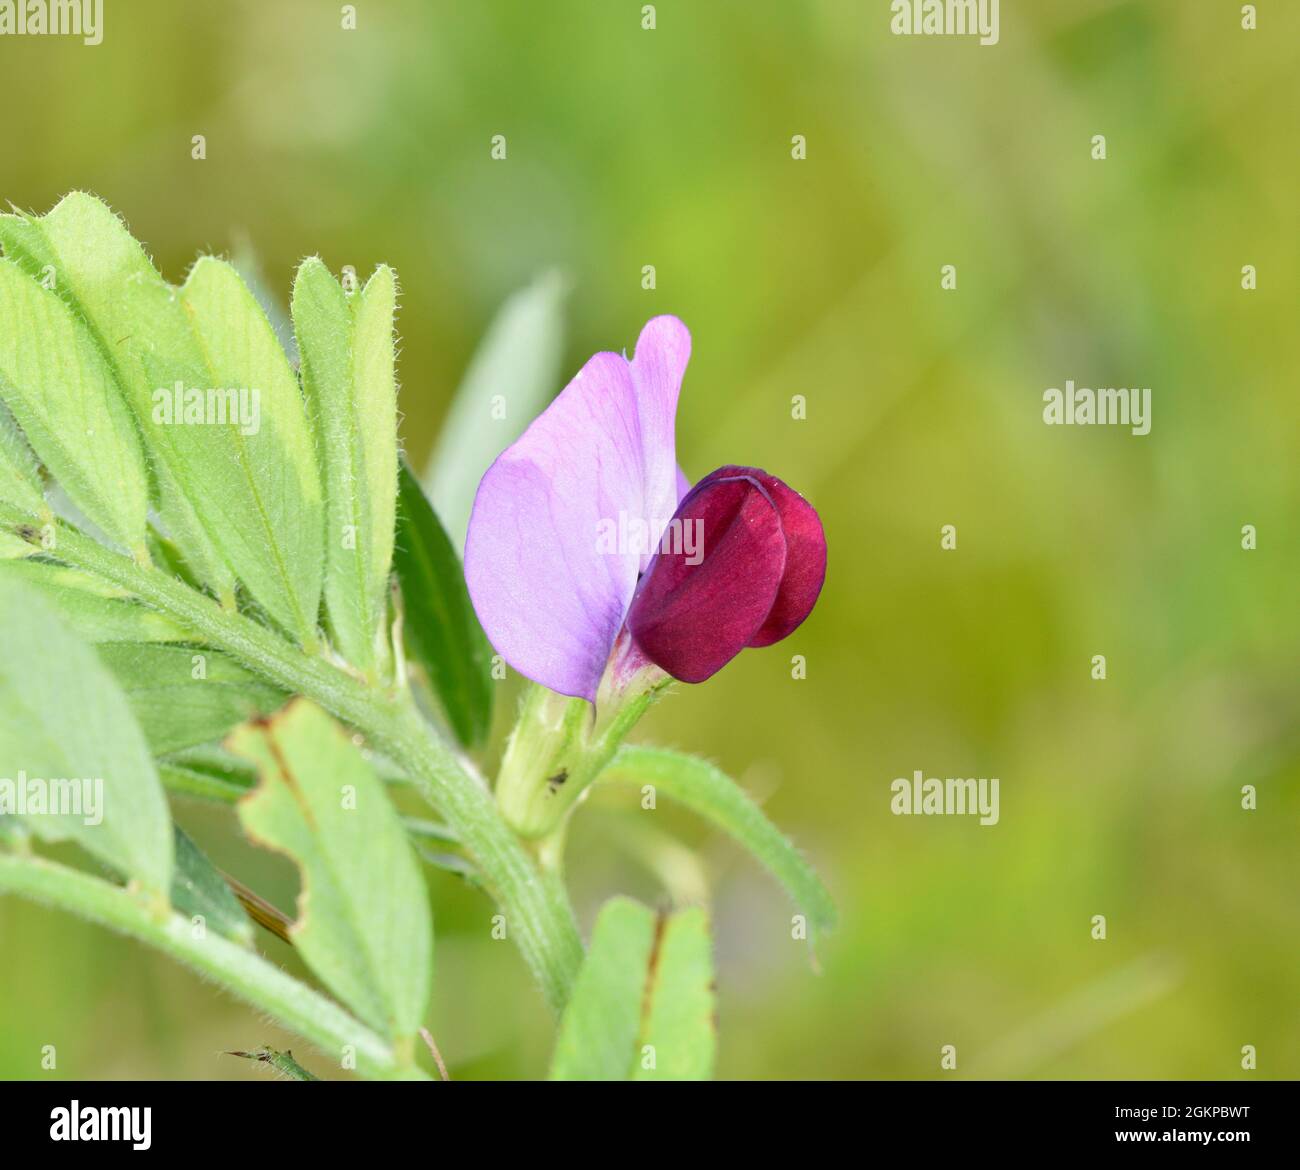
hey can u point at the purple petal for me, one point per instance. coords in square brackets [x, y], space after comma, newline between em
[692, 619]
[550, 595]
[658, 366]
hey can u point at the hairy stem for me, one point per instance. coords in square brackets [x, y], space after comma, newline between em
[559, 747]
[240, 971]
[537, 913]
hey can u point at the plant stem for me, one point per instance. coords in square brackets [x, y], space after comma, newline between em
[241, 971]
[538, 915]
[537, 912]
[558, 748]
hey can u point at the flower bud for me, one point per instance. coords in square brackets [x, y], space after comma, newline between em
[741, 565]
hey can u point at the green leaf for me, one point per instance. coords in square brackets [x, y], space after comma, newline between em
[184, 778]
[237, 505]
[167, 556]
[20, 478]
[65, 719]
[196, 551]
[104, 276]
[60, 391]
[276, 545]
[185, 696]
[210, 772]
[679, 1021]
[442, 632]
[364, 920]
[717, 798]
[517, 367]
[198, 890]
[346, 342]
[92, 610]
[643, 1003]
[451, 863]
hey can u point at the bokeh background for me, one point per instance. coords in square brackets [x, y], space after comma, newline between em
[818, 277]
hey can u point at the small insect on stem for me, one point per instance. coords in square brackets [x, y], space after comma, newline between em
[282, 1062]
[554, 783]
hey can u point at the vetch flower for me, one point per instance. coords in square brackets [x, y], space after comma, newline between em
[585, 536]
[598, 572]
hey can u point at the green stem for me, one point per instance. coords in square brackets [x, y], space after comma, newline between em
[538, 915]
[246, 974]
[558, 748]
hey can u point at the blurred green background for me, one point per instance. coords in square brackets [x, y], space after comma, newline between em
[818, 277]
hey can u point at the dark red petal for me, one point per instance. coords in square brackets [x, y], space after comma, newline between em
[691, 620]
[805, 562]
[805, 555]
